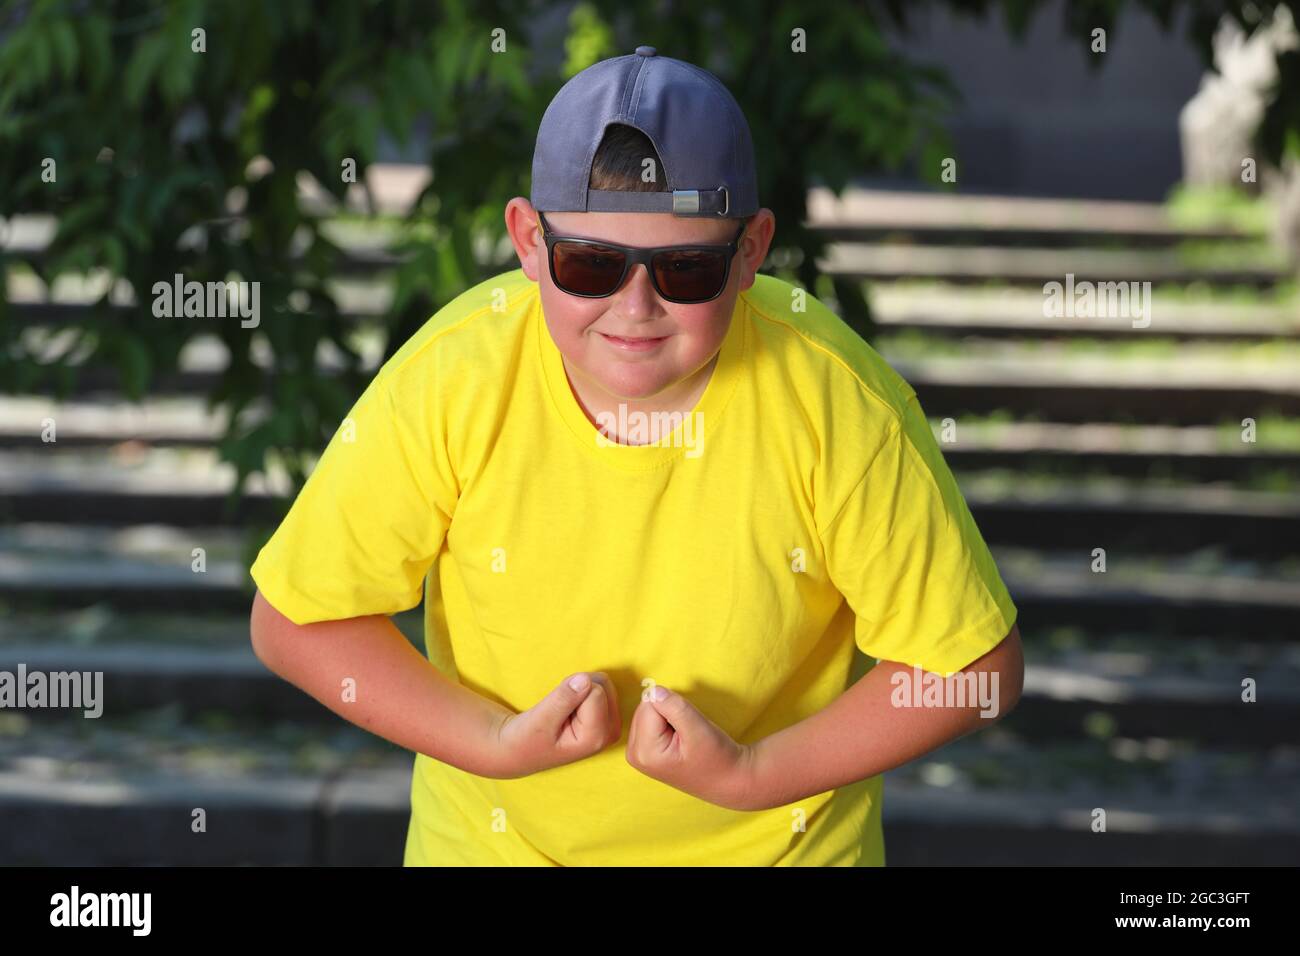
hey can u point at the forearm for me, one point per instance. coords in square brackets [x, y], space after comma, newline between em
[394, 691]
[863, 733]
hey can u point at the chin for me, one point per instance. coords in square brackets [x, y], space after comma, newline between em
[633, 382]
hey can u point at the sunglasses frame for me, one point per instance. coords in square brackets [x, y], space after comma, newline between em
[642, 254]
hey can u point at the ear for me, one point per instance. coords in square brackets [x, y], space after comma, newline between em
[526, 236]
[754, 245]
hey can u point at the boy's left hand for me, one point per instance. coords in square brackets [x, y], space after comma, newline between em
[672, 741]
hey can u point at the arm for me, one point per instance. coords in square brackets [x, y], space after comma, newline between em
[399, 696]
[862, 733]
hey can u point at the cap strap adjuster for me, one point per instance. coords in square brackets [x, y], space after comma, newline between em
[686, 202]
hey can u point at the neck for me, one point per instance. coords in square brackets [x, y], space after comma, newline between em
[681, 397]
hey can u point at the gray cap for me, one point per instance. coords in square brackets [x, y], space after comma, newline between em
[694, 122]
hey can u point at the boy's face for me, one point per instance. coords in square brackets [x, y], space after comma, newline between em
[633, 344]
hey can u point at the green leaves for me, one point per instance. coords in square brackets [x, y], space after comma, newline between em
[590, 39]
[63, 39]
[133, 363]
[1280, 128]
[144, 64]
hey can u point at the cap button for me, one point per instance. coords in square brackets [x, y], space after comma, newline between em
[645, 51]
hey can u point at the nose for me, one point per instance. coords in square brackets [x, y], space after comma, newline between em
[638, 296]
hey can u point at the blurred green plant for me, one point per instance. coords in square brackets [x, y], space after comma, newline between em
[1205, 207]
[170, 160]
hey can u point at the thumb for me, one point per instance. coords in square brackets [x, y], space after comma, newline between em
[561, 702]
[674, 708]
[666, 709]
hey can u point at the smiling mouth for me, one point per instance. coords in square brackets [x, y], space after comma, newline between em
[634, 343]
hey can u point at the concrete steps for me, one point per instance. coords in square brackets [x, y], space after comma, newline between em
[959, 311]
[124, 792]
[954, 219]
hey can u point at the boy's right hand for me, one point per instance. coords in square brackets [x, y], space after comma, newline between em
[565, 726]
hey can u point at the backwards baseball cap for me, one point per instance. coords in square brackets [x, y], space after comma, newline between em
[694, 122]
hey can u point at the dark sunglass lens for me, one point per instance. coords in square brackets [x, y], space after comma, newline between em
[690, 275]
[587, 270]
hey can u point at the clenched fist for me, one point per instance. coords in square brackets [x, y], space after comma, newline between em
[577, 719]
[672, 741]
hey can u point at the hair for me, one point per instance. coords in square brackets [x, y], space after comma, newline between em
[619, 158]
[618, 162]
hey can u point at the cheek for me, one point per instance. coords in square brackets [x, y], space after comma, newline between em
[567, 318]
[703, 328]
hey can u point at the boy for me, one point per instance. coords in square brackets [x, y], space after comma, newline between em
[654, 499]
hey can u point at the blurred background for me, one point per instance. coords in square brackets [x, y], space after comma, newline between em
[933, 167]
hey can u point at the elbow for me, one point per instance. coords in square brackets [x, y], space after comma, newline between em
[1012, 671]
[1012, 698]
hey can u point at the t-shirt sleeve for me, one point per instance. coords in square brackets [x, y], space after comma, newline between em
[904, 550]
[370, 519]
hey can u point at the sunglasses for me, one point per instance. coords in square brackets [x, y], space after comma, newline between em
[594, 269]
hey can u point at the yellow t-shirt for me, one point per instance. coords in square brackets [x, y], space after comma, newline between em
[803, 511]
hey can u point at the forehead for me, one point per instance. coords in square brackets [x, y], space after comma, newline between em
[642, 228]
